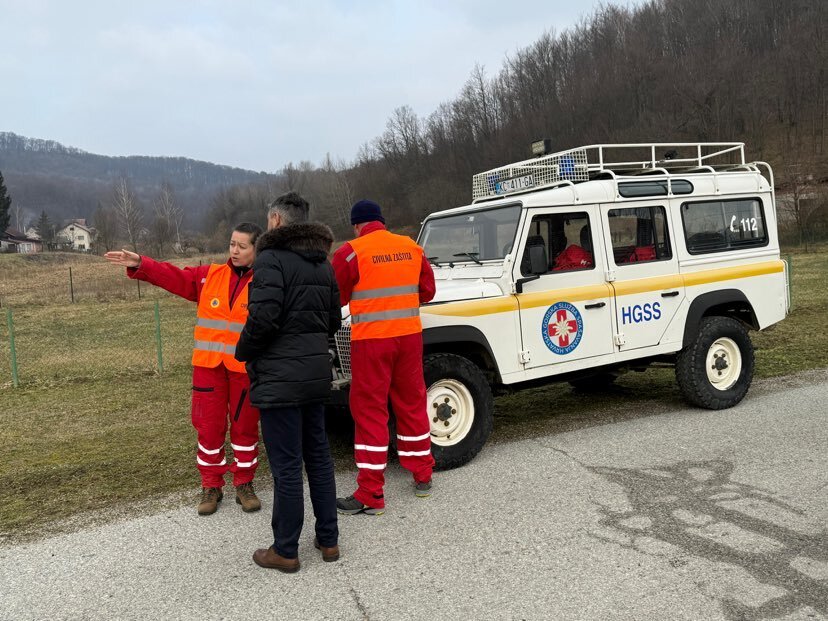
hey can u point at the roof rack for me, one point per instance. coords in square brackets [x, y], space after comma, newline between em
[579, 164]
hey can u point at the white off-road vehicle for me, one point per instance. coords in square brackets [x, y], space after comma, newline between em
[579, 265]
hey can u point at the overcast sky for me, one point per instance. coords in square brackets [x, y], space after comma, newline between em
[248, 83]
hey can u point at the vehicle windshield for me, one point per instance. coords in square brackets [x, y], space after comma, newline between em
[485, 235]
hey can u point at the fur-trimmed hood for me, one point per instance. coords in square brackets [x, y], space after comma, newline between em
[311, 240]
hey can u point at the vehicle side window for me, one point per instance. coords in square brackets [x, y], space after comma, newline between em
[639, 235]
[716, 226]
[567, 238]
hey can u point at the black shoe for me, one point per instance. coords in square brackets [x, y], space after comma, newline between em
[422, 490]
[351, 506]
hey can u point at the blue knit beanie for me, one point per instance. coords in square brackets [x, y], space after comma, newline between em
[366, 211]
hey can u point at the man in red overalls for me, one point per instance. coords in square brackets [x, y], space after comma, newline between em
[385, 278]
[220, 384]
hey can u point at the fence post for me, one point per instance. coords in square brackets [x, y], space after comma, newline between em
[71, 287]
[158, 338]
[10, 322]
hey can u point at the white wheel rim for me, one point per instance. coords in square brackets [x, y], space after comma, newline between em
[450, 412]
[724, 363]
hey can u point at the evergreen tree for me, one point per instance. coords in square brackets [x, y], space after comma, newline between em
[46, 230]
[5, 205]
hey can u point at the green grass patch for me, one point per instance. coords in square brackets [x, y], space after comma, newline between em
[94, 425]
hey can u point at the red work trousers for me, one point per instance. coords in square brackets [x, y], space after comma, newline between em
[383, 370]
[221, 397]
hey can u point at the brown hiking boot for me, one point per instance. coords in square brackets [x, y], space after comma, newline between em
[210, 497]
[329, 555]
[246, 497]
[267, 557]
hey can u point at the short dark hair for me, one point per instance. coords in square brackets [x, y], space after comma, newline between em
[291, 207]
[254, 230]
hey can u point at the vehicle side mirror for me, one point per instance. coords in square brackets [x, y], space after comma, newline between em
[539, 264]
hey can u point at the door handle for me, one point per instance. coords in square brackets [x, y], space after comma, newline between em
[670, 294]
[596, 305]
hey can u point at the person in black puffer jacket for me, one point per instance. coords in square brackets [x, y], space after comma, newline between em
[293, 310]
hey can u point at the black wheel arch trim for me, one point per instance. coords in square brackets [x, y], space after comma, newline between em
[459, 334]
[700, 305]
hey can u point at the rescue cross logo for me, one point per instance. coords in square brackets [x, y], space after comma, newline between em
[562, 328]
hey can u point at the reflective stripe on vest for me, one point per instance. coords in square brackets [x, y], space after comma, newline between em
[385, 315]
[385, 302]
[218, 324]
[211, 346]
[384, 292]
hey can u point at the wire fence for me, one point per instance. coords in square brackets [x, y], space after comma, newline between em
[47, 279]
[97, 342]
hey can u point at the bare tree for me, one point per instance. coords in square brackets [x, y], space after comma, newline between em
[800, 199]
[129, 211]
[295, 177]
[334, 193]
[106, 224]
[18, 216]
[168, 216]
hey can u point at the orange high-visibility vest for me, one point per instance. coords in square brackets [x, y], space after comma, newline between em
[385, 302]
[218, 326]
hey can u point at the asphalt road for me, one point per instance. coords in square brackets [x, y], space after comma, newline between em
[681, 515]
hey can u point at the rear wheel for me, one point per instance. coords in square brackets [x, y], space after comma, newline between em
[716, 369]
[460, 408]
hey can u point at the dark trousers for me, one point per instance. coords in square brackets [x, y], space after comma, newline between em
[291, 435]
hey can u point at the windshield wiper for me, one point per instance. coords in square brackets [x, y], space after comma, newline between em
[471, 255]
[433, 261]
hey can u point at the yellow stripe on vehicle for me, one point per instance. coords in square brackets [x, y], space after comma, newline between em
[574, 294]
[643, 285]
[473, 308]
[511, 303]
[732, 273]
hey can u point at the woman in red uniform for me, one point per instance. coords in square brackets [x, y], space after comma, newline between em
[220, 384]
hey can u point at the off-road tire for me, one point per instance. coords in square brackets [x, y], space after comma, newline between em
[453, 368]
[692, 362]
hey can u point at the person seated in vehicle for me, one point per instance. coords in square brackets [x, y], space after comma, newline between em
[576, 257]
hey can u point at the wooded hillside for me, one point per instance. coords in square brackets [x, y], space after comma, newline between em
[665, 71]
[670, 70]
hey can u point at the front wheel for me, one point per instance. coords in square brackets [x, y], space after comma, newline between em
[716, 369]
[460, 409]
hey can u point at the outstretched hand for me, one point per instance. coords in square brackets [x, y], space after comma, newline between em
[123, 257]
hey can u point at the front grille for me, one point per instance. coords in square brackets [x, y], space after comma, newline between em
[343, 349]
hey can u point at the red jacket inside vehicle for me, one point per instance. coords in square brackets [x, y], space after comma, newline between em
[573, 258]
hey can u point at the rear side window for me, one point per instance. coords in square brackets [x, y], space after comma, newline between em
[718, 226]
[639, 235]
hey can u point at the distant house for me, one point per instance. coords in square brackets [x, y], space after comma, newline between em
[76, 235]
[12, 240]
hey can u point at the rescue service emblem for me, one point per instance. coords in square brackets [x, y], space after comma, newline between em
[562, 328]
[214, 302]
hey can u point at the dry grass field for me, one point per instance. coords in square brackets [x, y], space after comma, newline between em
[94, 425]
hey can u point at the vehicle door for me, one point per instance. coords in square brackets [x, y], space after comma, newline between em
[565, 311]
[643, 271]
